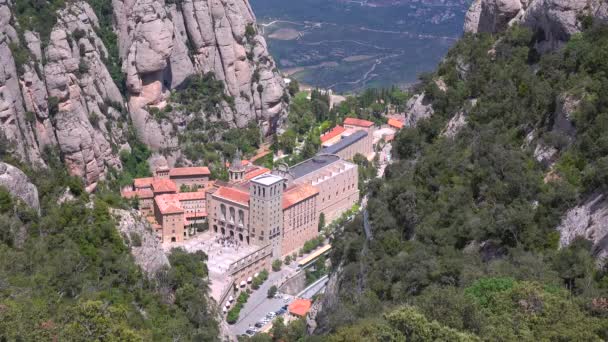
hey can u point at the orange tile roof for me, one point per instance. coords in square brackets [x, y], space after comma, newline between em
[163, 185]
[298, 194]
[191, 196]
[189, 171]
[336, 131]
[143, 182]
[168, 204]
[142, 193]
[300, 307]
[254, 172]
[233, 195]
[395, 123]
[358, 122]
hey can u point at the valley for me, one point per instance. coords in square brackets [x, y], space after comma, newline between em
[348, 46]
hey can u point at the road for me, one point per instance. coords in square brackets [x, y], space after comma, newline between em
[259, 305]
[314, 288]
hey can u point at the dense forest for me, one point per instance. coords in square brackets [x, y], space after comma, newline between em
[464, 228]
[68, 275]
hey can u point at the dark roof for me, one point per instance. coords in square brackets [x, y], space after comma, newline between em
[345, 142]
[313, 164]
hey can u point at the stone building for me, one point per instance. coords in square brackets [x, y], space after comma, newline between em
[355, 137]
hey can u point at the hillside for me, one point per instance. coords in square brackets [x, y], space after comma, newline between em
[92, 78]
[489, 226]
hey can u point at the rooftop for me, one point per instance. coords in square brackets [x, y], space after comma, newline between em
[233, 195]
[168, 204]
[254, 172]
[189, 171]
[358, 122]
[336, 131]
[298, 194]
[142, 193]
[143, 182]
[267, 179]
[395, 123]
[313, 164]
[191, 196]
[300, 307]
[163, 185]
[345, 142]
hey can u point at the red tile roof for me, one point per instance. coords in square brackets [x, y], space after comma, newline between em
[143, 193]
[189, 171]
[143, 182]
[300, 307]
[168, 204]
[395, 123]
[358, 122]
[298, 194]
[336, 131]
[254, 172]
[233, 195]
[163, 185]
[191, 196]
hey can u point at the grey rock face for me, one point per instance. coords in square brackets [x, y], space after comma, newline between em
[164, 44]
[588, 220]
[418, 108]
[64, 96]
[17, 183]
[145, 247]
[557, 20]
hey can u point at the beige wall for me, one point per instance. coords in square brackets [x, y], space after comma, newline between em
[221, 224]
[251, 264]
[300, 224]
[146, 206]
[201, 181]
[194, 206]
[338, 188]
[266, 204]
[173, 226]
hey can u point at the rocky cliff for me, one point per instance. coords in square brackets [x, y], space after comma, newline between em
[555, 21]
[17, 183]
[60, 89]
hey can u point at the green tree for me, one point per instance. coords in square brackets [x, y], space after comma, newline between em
[272, 291]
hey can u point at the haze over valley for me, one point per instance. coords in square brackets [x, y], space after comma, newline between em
[352, 45]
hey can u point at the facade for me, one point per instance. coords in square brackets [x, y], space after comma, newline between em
[300, 217]
[173, 214]
[336, 180]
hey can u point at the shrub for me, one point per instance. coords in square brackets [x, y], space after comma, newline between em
[276, 265]
[135, 239]
[272, 291]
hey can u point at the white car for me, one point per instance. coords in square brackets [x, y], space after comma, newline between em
[271, 315]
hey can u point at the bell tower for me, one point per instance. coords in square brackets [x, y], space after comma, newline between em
[236, 171]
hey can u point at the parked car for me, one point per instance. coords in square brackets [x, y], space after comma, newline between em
[280, 312]
[249, 332]
[285, 307]
[259, 324]
[271, 315]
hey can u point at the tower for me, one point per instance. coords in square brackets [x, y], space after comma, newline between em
[236, 171]
[266, 212]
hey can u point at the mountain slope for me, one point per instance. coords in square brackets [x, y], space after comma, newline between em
[76, 74]
[465, 224]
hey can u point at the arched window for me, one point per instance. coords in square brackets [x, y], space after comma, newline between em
[232, 213]
[241, 217]
[223, 211]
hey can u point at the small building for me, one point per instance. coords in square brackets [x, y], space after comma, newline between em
[300, 307]
[396, 124]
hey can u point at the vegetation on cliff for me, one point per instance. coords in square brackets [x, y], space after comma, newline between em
[464, 227]
[67, 275]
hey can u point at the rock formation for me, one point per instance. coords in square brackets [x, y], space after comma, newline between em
[162, 45]
[555, 21]
[418, 108]
[58, 91]
[588, 220]
[17, 183]
[145, 247]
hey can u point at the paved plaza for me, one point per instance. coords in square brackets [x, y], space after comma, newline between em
[221, 252]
